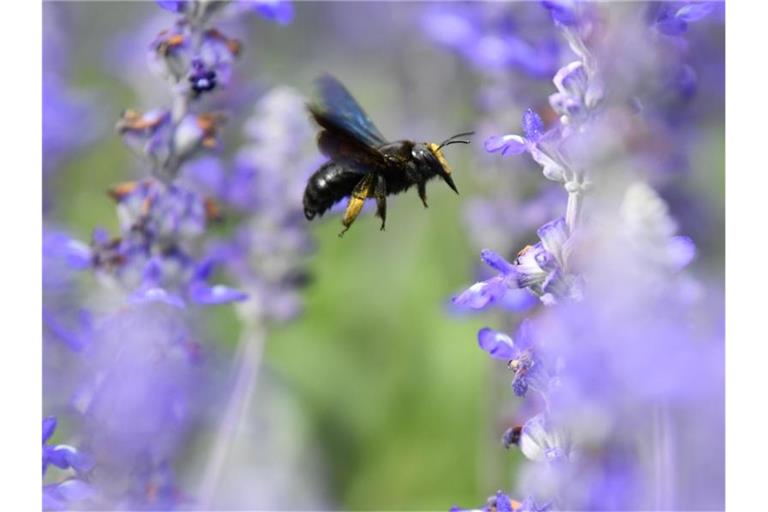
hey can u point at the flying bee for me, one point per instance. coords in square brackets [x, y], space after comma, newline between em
[362, 163]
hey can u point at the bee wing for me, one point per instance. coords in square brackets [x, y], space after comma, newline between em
[337, 111]
[355, 156]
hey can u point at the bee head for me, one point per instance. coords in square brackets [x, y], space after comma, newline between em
[431, 156]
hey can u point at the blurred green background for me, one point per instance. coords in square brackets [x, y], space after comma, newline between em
[397, 398]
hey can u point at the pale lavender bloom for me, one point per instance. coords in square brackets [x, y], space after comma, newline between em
[140, 392]
[493, 37]
[543, 269]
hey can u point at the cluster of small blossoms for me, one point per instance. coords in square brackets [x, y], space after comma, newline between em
[605, 357]
[140, 374]
[546, 268]
[512, 49]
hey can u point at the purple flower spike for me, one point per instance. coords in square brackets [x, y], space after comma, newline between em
[497, 344]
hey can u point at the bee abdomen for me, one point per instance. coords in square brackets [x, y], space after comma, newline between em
[328, 185]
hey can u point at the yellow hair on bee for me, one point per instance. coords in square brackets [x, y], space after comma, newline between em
[434, 148]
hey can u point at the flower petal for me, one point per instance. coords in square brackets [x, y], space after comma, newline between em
[695, 11]
[202, 293]
[497, 344]
[157, 294]
[681, 251]
[539, 442]
[553, 236]
[482, 294]
[562, 11]
[507, 144]
[572, 79]
[74, 490]
[49, 425]
[494, 260]
[671, 25]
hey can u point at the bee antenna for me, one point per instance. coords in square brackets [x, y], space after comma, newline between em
[452, 139]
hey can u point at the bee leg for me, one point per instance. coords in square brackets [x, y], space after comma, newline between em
[422, 188]
[380, 191]
[359, 194]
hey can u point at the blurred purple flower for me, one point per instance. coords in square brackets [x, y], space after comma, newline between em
[155, 255]
[62, 456]
[673, 18]
[279, 11]
[265, 183]
[138, 351]
[563, 11]
[488, 41]
[174, 57]
[63, 495]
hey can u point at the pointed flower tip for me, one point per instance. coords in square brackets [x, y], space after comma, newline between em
[49, 426]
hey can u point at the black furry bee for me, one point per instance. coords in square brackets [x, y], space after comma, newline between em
[362, 163]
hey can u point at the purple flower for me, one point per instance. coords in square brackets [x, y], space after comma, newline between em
[176, 6]
[515, 144]
[540, 441]
[563, 11]
[520, 356]
[63, 495]
[138, 351]
[501, 502]
[279, 11]
[673, 19]
[491, 42]
[542, 268]
[498, 345]
[160, 226]
[62, 456]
